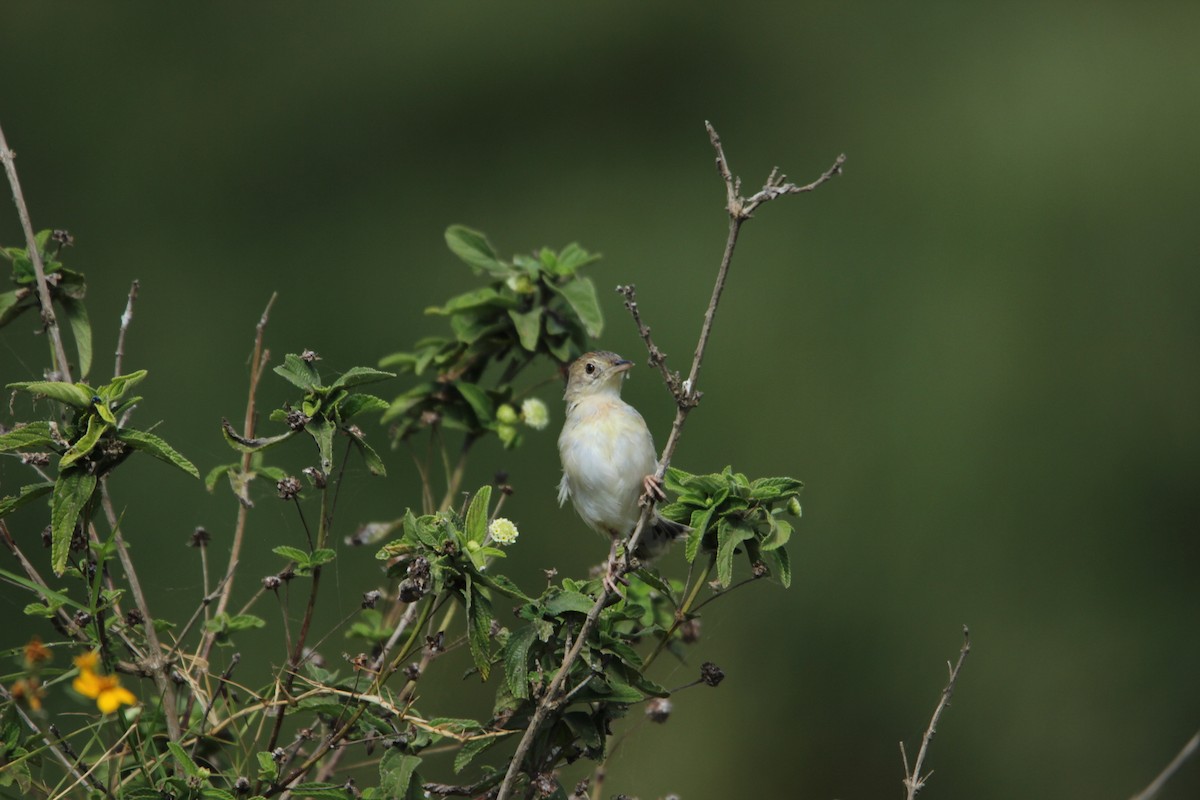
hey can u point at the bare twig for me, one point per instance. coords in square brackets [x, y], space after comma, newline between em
[35, 258]
[1182, 756]
[914, 780]
[686, 398]
[126, 318]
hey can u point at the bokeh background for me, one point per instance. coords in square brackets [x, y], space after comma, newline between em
[978, 347]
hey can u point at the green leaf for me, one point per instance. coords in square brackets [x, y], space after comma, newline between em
[360, 376]
[395, 773]
[214, 475]
[516, 661]
[774, 488]
[781, 531]
[780, 565]
[479, 627]
[699, 524]
[28, 494]
[185, 761]
[81, 329]
[320, 556]
[267, 768]
[322, 432]
[476, 298]
[374, 462]
[95, 429]
[564, 601]
[528, 325]
[322, 791]
[360, 403]
[157, 447]
[479, 401]
[572, 257]
[72, 491]
[116, 388]
[13, 303]
[244, 445]
[76, 395]
[580, 295]
[470, 750]
[477, 515]
[35, 434]
[298, 372]
[729, 536]
[503, 584]
[291, 553]
[475, 250]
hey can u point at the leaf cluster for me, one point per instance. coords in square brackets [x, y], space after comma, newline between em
[728, 512]
[67, 289]
[531, 305]
[323, 410]
[89, 444]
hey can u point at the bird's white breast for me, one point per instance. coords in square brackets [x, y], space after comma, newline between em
[606, 451]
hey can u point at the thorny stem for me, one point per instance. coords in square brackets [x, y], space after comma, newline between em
[914, 780]
[35, 257]
[739, 210]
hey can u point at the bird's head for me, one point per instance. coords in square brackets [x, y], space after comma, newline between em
[595, 373]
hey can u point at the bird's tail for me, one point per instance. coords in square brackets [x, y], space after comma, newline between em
[658, 538]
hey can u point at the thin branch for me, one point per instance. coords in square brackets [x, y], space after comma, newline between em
[35, 258]
[126, 319]
[1182, 756]
[914, 780]
[686, 398]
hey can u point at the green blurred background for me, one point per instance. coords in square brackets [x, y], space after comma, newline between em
[978, 347]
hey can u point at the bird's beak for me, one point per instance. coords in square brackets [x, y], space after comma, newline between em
[623, 365]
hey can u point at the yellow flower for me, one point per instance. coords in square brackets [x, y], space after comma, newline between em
[503, 531]
[106, 690]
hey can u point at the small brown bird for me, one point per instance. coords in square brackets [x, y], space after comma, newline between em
[608, 458]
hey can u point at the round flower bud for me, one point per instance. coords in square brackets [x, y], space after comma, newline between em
[535, 414]
[503, 531]
[506, 415]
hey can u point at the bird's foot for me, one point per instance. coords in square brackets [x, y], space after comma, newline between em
[614, 576]
[653, 487]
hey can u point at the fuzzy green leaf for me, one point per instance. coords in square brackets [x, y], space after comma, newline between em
[244, 445]
[291, 553]
[189, 767]
[729, 536]
[564, 601]
[470, 750]
[72, 491]
[95, 429]
[396, 773]
[359, 403]
[780, 566]
[76, 395]
[516, 661]
[35, 434]
[774, 488]
[116, 388]
[479, 627]
[298, 372]
[28, 494]
[477, 298]
[360, 376]
[157, 447]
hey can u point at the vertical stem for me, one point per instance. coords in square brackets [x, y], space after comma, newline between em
[58, 352]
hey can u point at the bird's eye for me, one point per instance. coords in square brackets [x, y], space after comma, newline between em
[590, 368]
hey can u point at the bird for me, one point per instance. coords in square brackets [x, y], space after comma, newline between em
[609, 460]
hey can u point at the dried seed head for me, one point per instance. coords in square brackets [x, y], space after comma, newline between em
[316, 476]
[271, 582]
[309, 356]
[200, 537]
[297, 419]
[711, 674]
[288, 488]
[369, 599]
[689, 631]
